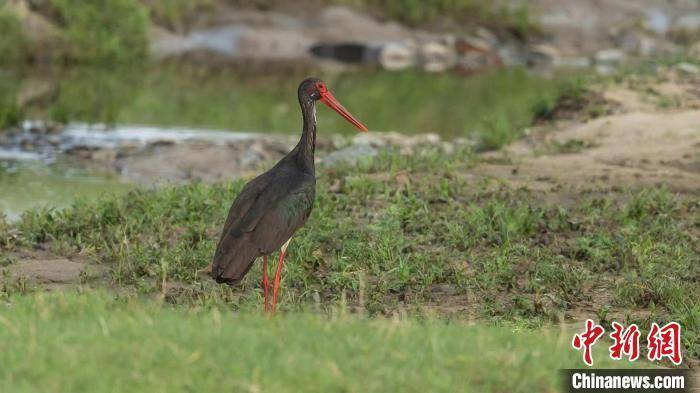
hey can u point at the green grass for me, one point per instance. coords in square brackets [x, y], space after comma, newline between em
[95, 342]
[441, 244]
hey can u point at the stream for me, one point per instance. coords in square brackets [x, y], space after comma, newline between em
[98, 108]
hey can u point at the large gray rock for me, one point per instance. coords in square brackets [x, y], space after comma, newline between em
[267, 35]
[688, 68]
[342, 24]
[611, 57]
[351, 154]
[688, 22]
[607, 60]
[235, 42]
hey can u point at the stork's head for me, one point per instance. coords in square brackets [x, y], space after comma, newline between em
[314, 89]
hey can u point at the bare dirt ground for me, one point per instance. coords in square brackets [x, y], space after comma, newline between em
[642, 144]
[49, 272]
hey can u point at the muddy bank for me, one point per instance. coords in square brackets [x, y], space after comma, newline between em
[148, 155]
[649, 138]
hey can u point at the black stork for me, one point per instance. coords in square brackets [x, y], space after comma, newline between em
[273, 206]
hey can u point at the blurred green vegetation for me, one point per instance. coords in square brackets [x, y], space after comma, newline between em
[65, 342]
[93, 31]
[494, 106]
[12, 42]
[176, 15]
[10, 111]
[103, 30]
[116, 30]
[515, 18]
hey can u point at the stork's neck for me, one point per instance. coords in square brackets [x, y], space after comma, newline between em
[304, 151]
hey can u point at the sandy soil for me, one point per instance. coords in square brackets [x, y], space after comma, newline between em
[640, 145]
[49, 272]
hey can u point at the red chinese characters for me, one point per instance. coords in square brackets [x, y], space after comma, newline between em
[665, 342]
[625, 342]
[587, 339]
[662, 342]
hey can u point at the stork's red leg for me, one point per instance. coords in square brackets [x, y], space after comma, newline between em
[276, 286]
[266, 284]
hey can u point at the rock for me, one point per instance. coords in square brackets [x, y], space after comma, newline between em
[487, 37]
[436, 56]
[512, 54]
[351, 154]
[372, 139]
[397, 56]
[544, 55]
[406, 144]
[475, 55]
[610, 57]
[688, 23]
[474, 62]
[573, 62]
[466, 44]
[657, 21]
[688, 68]
[273, 44]
[342, 24]
[234, 42]
[607, 60]
[163, 43]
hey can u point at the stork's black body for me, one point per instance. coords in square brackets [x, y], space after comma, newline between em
[264, 216]
[274, 205]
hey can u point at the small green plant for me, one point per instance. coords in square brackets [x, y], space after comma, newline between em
[572, 96]
[10, 113]
[573, 145]
[497, 132]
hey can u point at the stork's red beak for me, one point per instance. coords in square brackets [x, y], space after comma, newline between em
[328, 99]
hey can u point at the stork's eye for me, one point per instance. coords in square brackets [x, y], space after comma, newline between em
[321, 87]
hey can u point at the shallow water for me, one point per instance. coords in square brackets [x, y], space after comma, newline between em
[409, 102]
[169, 101]
[31, 184]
